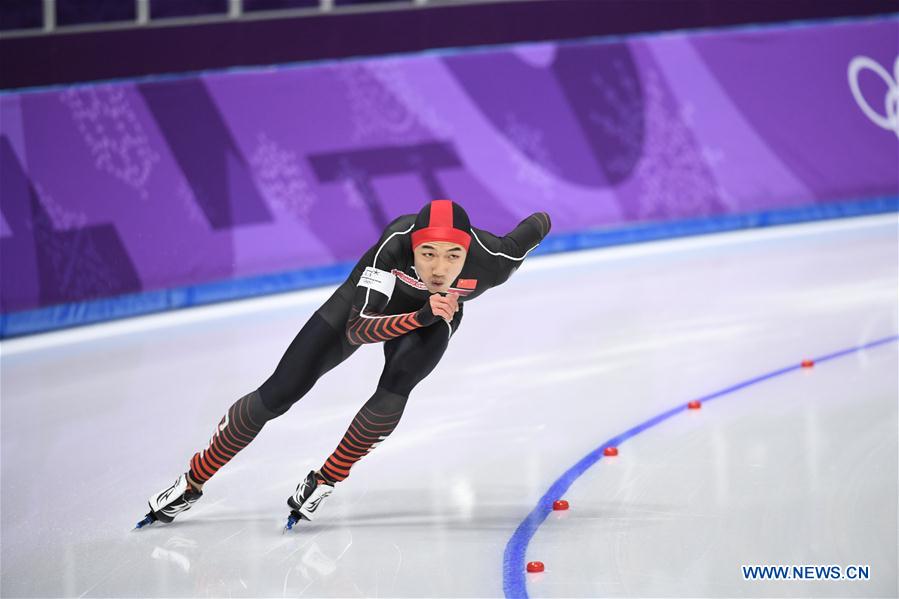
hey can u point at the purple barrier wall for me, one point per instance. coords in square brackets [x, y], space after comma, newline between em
[129, 187]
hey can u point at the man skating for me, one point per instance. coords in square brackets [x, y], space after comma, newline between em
[407, 291]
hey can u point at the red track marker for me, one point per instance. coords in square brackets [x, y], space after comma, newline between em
[808, 363]
[535, 566]
[560, 504]
[610, 451]
[695, 404]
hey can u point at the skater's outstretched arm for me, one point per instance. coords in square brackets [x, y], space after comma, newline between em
[510, 250]
[527, 235]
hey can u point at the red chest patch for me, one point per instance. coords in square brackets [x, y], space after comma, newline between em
[465, 285]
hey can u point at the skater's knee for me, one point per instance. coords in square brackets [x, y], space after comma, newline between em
[400, 379]
[276, 404]
[277, 397]
[259, 411]
[284, 388]
[408, 364]
[385, 401]
[400, 385]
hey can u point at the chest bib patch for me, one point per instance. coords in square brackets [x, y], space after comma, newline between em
[379, 280]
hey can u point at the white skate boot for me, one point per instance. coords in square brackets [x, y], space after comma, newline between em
[306, 499]
[170, 502]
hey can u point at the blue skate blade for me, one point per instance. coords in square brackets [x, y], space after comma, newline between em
[291, 520]
[149, 519]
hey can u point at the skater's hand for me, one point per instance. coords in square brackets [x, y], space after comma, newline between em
[453, 299]
[438, 306]
[444, 306]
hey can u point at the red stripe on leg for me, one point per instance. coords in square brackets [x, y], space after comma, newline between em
[204, 469]
[333, 474]
[344, 457]
[348, 449]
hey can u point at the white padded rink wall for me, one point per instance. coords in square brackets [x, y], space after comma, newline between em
[574, 350]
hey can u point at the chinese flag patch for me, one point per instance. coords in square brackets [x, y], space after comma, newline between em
[467, 283]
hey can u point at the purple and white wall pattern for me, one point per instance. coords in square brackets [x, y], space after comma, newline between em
[135, 186]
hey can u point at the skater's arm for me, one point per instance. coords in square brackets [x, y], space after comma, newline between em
[527, 235]
[511, 250]
[368, 325]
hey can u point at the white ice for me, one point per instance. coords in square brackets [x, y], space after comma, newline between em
[573, 350]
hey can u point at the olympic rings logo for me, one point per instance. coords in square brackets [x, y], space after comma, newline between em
[890, 119]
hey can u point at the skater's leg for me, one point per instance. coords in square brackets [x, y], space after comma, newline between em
[316, 349]
[237, 428]
[408, 360]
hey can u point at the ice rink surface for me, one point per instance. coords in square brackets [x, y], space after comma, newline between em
[572, 351]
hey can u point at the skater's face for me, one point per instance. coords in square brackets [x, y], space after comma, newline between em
[439, 263]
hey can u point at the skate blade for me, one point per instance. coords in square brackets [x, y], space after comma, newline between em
[292, 519]
[149, 519]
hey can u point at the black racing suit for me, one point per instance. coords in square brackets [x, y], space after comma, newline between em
[391, 305]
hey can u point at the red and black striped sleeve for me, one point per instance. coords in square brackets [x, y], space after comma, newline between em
[372, 327]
